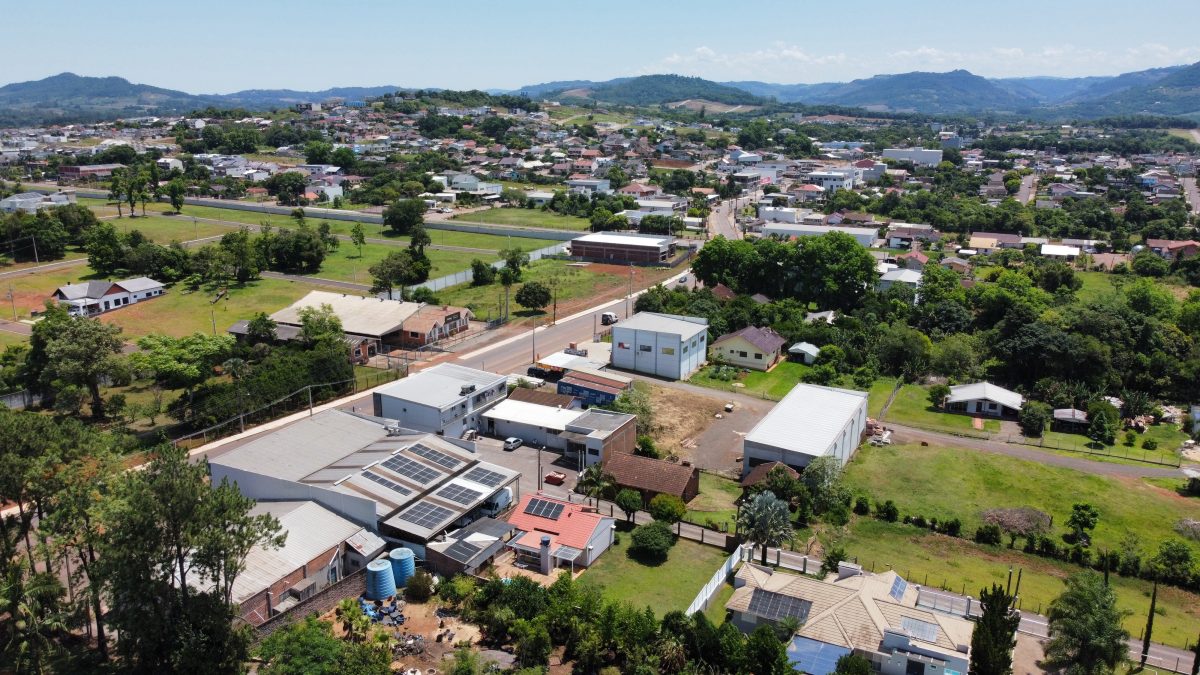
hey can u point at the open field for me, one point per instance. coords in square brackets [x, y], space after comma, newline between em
[934, 560]
[1102, 285]
[715, 501]
[912, 406]
[166, 229]
[525, 218]
[774, 384]
[1168, 436]
[7, 264]
[7, 338]
[878, 394]
[345, 264]
[666, 587]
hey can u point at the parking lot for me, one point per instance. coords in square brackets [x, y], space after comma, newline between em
[525, 459]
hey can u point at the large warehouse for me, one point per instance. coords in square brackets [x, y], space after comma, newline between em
[446, 399]
[624, 247]
[863, 235]
[811, 421]
[408, 487]
[665, 345]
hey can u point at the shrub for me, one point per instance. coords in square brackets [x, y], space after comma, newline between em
[952, 527]
[1150, 444]
[862, 506]
[920, 521]
[1033, 418]
[833, 556]
[667, 508]
[988, 534]
[1130, 438]
[652, 541]
[647, 448]
[938, 394]
[419, 587]
[1047, 547]
[887, 511]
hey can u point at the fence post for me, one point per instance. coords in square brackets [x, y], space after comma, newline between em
[310, 402]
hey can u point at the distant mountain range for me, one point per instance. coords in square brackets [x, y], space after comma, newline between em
[1164, 91]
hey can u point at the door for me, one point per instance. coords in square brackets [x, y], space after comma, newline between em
[914, 667]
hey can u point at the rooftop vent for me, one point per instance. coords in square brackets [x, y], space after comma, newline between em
[466, 389]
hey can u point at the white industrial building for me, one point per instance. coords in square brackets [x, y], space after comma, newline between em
[918, 156]
[665, 345]
[867, 236]
[811, 421]
[585, 436]
[446, 399]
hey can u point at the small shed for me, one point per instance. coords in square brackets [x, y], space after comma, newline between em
[1069, 420]
[804, 352]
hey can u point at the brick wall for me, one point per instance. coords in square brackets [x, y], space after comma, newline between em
[350, 587]
[256, 609]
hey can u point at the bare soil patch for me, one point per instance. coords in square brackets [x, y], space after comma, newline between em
[681, 416]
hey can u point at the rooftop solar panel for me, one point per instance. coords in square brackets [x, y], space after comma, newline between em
[777, 606]
[424, 514]
[899, 586]
[484, 476]
[921, 630]
[462, 551]
[411, 469]
[459, 494]
[544, 508]
[439, 458]
[389, 484]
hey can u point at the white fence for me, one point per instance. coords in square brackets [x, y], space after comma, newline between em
[718, 579]
[465, 276]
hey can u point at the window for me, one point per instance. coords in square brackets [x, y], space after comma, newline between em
[669, 351]
[685, 349]
[645, 348]
[622, 345]
[742, 354]
[758, 356]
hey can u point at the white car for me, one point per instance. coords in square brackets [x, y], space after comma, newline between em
[512, 443]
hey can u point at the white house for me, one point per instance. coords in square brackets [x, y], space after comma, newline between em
[590, 186]
[446, 399]
[1060, 251]
[899, 276]
[863, 235]
[96, 297]
[665, 345]
[811, 421]
[984, 398]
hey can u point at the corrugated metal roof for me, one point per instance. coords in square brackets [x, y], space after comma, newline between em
[664, 323]
[305, 447]
[986, 391]
[440, 385]
[359, 315]
[809, 419]
[533, 414]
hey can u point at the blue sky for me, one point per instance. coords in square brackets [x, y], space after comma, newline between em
[217, 46]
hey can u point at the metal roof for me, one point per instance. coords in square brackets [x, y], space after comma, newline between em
[685, 327]
[809, 419]
[372, 317]
[441, 385]
[986, 391]
[618, 239]
[532, 414]
[307, 446]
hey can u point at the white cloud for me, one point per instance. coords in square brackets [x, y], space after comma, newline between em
[778, 62]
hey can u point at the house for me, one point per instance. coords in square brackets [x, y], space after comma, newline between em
[1069, 420]
[811, 421]
[804, 352]
[665, 345]
[640, 191]
[957, 264]
[585, 436]
[96, 297]
[624, 247]
[433, 323]
[590, 186]
[88, 172]
[593, 387]
[1060, 252]
[723, 292]
[863, 235]
[759, 473]
[32, 202]
[899, 276]
[1000, 239]
[321, 548]
[913, 260]
[378, 321]
[984, 398]
[920, 157]
[406, 486]
[653, 477]
[468, 550]
[169, 164]
[447, 399]
[552, 533]
[879, 616]
[751, 347]
[1171, 249]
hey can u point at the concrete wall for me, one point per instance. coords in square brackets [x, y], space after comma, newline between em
[730, 352]
[656, 353]
[256, 609]
[268, 488]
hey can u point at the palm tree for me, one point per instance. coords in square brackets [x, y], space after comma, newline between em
[788, 626]
[32, 604]
[1085, 627]
[345, 612]
[237, 368]
[595, 482]
[764, 520]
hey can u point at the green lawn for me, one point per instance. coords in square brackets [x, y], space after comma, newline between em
[666, 587]
[525, 218]
[716, 605]
[166, 229]
[878, 394]
[8, 265]
[344, 264]
[774, 384]
[715, 501]
[912, 407]
[1168, 436]
[938, 560]
[956, 483]
[7, 338]
[575, 282]
[1096, 286]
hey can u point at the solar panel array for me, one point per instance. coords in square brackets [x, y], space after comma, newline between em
[544, 508]
[899, 586]
[459, 494]
[462, 551]
[484, 476]
[411, 469]
[389, 484]
[424, 514]
[776, 606]
[921, 630]
[439, 458]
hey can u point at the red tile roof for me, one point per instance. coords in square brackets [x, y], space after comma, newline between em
[645, 473]
[575, 527]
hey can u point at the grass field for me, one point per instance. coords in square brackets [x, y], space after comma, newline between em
[666, 587]
[912, 407]
[525, 218]
[774, 384]
[576, 282]
[878, 394]
[961, 565]
[715, 501]
[345, 264]
[7, 338]
[1168, 436]
[166, 229]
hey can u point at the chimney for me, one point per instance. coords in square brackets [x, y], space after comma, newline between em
[547, 564]
[846, 570]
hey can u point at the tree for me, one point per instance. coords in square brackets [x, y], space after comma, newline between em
[309, 647]
[766, 654]
[853, 664]
[482, 274]
[765, 521]
[84, 354]
[1018, 522]
[533, 644]
[823, 479]
[287, 187]
[938, 394]
[404, 214]
[667, 508]
[317, 152]
[1034, 417]
[629, 501]
[116, 189]
[397, 269]
[652, 541]
[507, 278]
[419, 589]
[994, 637]
[514, 259]
[181, 362]
[534, 295]
[418, 239]
[106, 252]
[260, 329]
[1102, 429]
[358, 237]
[1149, 632]
[176, 190]
[834, 271]
[320, 324]
[1082, 521]
[1086, 636]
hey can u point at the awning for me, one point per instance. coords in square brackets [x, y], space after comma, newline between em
[574, 436]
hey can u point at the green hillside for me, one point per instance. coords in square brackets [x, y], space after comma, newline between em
[656, 89]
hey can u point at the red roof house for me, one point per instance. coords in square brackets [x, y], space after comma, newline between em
[553, 533]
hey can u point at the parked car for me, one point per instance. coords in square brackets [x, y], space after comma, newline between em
[543, 374]
[512, 443]
[608, 318]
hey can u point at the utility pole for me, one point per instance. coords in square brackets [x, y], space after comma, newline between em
[629, 298]
[533, 347]
[13, 299]
[213, 313]
[35, 253]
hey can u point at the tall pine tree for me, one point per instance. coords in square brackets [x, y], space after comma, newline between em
[993, 640]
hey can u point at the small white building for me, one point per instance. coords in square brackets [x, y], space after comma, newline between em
[590, 186]
[447, 399]
[811, 421]
[863, 235]
[665, 345]
[1060, 252]
[804, 352]
[96, 297]
[984, 398]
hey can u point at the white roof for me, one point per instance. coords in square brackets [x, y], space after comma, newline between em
[565, 360]
[1059, 249]
[359, 315]
[804, 348]
[685, 327]
[440, 385]
[809, 419]
[986, 391]
[903, 276]
[625, 239]
[800, 230]
[311, 530]
[297, 450]
[532, 414]
[138, 284]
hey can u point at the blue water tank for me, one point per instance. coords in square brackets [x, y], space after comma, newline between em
[403, 565]
[381, 583]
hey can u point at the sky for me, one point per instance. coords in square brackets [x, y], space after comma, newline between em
[219, 46]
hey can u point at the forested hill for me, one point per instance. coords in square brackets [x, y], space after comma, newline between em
[656, 89]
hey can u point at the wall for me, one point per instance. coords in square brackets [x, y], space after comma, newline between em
[262, 487]
[729, 350]
[350, 587]
[408, 414]
[256, 609]
[653, 361]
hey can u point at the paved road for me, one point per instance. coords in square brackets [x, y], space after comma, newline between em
[1028, 189]
[332, 283]
[1191, 193]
